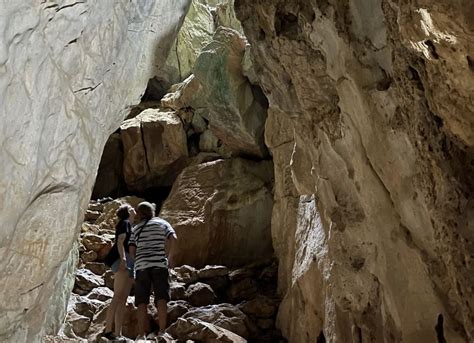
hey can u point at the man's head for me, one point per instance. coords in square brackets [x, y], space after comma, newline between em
[145, 210]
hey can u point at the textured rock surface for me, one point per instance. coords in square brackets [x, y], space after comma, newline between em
[155, 149]
[235, 109]
[199, 330]
[195, 33]
[68, 72]
[370, 125]
[225, 316]
[225, 15]
[226, 205]
[200, 294]
[219, 92]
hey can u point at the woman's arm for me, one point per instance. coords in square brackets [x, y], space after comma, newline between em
[121, 251]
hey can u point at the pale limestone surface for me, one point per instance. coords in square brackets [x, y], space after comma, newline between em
[196, 32]
[69, 71]
[370, 125]
[222, 211]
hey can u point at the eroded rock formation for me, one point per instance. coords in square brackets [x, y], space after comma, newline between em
[221, 210]
[69, 72]
[370, 125]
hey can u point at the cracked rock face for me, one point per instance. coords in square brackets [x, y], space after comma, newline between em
[69, 72]
[370, 126]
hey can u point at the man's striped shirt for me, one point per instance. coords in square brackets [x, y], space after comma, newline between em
[150, 242]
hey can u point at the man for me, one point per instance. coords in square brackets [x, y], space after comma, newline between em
[151, 241]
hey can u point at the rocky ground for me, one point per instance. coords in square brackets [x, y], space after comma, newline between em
[211, 304]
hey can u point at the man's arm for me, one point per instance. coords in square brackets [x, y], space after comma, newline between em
[132, 250]
[170, 242]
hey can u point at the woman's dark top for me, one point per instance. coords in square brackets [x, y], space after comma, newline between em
[125, 227]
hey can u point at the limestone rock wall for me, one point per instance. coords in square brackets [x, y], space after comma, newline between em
[370, 126]
[69, 72]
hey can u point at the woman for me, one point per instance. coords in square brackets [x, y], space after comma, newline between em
[123, 273]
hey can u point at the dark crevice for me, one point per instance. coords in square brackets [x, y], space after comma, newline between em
[470, 63]
[142, 135]
[177, 58]
[432, 49]
[286, 25]
[70, 5]
[440, 329]
[71, 42]
[51, 6]
[321, 338]
[87, 89]
[385, 82]
[415, 76]
[323, 6]
[438, 121]
[32, 289]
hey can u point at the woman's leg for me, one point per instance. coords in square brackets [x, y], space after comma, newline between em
[122, 295]
[109, 319]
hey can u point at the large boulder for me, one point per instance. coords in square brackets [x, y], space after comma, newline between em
[70, 71]
[221, 212]
[155, 149]
[87, 280]
[261, 307]
[210, 271]
[95, 242]
[226, 316]
[200, 294]
[175, 309]
[80, 324]
[83, 306]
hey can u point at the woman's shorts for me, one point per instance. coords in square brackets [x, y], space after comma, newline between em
[130, 265]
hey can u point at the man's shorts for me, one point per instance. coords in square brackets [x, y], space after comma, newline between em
[130, 265]
[145, 279]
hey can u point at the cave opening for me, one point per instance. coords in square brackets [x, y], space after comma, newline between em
[194, 146]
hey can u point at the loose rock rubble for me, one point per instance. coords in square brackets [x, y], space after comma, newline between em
[211, 304]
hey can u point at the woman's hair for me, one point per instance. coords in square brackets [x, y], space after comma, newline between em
[123, 211]
[146, 210]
